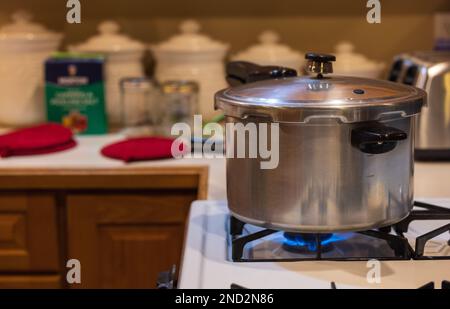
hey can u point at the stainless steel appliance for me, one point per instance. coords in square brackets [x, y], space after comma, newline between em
[431, 72]
[345, 148]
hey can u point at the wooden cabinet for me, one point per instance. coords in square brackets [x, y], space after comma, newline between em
[126, 240]
[124, 226]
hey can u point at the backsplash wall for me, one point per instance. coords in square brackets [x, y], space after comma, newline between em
[304, 25]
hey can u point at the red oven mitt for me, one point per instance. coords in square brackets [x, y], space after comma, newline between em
[140, 149]
[41, 139]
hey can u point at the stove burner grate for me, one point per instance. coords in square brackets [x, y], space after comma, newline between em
[318, 246]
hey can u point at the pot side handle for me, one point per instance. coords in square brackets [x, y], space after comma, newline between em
[242, 72]
[376, 139]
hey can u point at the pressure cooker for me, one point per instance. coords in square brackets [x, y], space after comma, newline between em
[345, 144]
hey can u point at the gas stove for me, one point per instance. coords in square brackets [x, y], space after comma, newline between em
[252, 244]
[223, 252]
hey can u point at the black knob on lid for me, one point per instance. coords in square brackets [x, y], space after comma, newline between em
[320, 63]
[318, 57]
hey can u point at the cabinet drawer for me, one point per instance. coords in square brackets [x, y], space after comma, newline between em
[28, 233]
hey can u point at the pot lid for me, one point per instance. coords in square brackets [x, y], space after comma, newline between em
[269, 51]
[23, 29]
[110, 39]
[350, 62]
[301, 99]
[191, 40]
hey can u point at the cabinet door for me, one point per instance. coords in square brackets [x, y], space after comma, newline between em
[123, 240]
[28, 233]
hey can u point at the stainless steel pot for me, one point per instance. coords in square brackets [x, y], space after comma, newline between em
[345, 148]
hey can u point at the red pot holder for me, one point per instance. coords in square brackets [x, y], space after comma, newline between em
[140, 149]
[41, 139]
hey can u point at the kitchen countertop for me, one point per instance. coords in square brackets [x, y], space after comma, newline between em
[431, 179]
[87, 155]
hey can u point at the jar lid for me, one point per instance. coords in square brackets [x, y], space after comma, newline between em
[179, 86]
[22, 30]
[136, 83]
[109, 39]
[269, 51]
[350, 62]
[301, 99]
[191, 40]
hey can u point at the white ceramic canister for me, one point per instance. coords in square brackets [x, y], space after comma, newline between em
[270, 52]
[123, 59]
[192, 56]
[24, 47]
[354, 64]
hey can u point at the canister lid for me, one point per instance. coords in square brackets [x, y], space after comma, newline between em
[300, 99]
[23, 33]
[191, 40]
[110, 39]
[352, 63]
[270, 51]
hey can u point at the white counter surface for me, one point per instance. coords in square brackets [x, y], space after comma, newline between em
[431, 179]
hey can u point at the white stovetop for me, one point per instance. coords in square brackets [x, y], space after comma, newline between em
[205, 263]
[431, 179]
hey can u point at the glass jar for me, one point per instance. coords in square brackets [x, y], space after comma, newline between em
[178, 104]
[138, 106]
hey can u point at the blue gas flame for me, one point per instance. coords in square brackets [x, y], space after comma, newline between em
[309, 241]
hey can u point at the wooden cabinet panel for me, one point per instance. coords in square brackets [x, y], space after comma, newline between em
[12, 232]
[28, 233]
[124, 241]
[133, 256]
